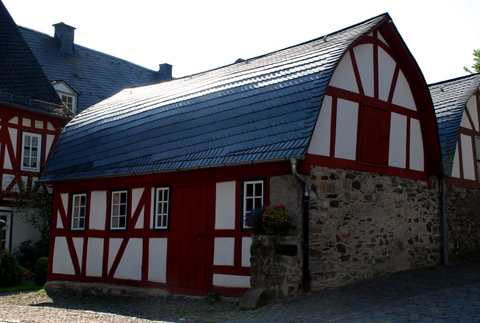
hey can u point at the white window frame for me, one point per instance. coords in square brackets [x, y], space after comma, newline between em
[79, 212]
[253, 200]
[162, 208]
[5, 231]
[29, 150]
[119, 210]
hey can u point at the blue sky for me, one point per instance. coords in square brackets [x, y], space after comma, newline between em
[196, 36]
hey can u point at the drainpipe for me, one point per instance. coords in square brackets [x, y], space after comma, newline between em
[443, 192]
[306, 228]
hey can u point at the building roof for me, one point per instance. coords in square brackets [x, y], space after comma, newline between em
[94, 75]
[258, 110]
[449, 99]
[23, 83]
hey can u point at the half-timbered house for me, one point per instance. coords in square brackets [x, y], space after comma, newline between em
[31, 119]
[457, 107]
[152, 185]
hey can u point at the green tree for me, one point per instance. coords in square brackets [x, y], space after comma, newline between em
[476, 64]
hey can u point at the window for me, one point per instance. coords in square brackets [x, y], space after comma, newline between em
[68, 100]
[118, 218]
[4, 231]
[31, 151]
[79, 211]
[162, 208]
[253, 196]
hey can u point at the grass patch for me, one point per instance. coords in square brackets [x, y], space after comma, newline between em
[21, 288]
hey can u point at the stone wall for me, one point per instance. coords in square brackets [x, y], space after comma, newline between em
[463, 220]
[364, 225]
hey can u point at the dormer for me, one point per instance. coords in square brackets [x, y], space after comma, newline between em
[68, 95]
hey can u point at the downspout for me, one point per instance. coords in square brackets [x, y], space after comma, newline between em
[443, 193]
[306, 279]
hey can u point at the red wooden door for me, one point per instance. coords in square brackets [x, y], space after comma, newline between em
[188, 250]
[374, 136]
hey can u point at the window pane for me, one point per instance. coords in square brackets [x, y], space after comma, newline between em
[249, 190]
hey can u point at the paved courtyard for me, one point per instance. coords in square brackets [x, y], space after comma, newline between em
[438, 294]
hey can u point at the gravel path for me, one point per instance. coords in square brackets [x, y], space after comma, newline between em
[39, 307]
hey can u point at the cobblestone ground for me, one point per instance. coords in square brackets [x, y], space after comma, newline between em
[439, 294]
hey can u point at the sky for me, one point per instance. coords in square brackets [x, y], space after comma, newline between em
[199, 35]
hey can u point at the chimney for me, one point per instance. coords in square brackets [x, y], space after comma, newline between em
[64, 35]
[165, 72]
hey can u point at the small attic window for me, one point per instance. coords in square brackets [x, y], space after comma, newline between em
[66, 94]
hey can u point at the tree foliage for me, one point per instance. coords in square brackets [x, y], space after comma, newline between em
[476, 64]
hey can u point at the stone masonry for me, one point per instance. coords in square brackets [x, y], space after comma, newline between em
[364, 225]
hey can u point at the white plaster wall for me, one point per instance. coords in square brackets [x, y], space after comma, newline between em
[98, 210]
[465, 122]
[403, 95]
[416, 146]
[136, 196]
[64, 199]
[157, 255]
[320, 143]
[62, 261]
[386, 65]
[50, 139]
[364, 58]
[467, 157]
[113, 247]
[346, 129]
[225, 206]
[78, 244]
[130, 266]
[231, 281]
[246, 243]
[456, 164]
[94, 259]
[224, 251]
[472, 109]
[344, 77]
[398, 141]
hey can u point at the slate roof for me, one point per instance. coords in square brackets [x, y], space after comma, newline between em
[449, 99]
[23, 83]
[257, 110]
[94, 75]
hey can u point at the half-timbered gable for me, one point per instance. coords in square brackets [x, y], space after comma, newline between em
[31, 119]
[152, 185]
[457, 108]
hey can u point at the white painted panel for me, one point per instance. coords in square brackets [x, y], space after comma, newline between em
[78, 244]
[98, 210]
[224, 251]
[246, 243]
[472, 109]
[344, 77]
[456, 165]
[26, 122]
[7, 180]
[379, 35]
[113, 248]
[225, 206]
[38, 124]
[364, 58]
[94, 263]
[386, 69]
[346, 132]
[231, 281]
[397, 153]
[130, 266]
[416, 146]
[62, 261]
[320, 143]
[59, 221]
[50, 139]
[136, 196]
[7, 164]
[50, 126]
[465, 121]
[13, 138]
[468, 161]
[403, 95]
[14, 120]
[157, 260]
